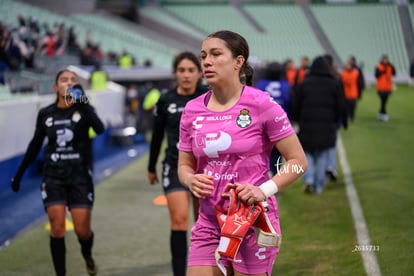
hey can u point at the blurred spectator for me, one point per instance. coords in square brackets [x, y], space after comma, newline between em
[4, 58]
[33, 25]
[274, 83]
[87, 56]
[317, 105]
[60, 37]
[13, 50]
[384, 73]
[47, 45]
[290, 72]
[72, 41]
[332, 169]
[361, 77]
[350, 84]
[332, 68]
[98, 78]
[125, 60]
[148, 104]
[148, 62]
[21, 20]
[132, 105]
[3, 64]
[112, 57]
[301, 71]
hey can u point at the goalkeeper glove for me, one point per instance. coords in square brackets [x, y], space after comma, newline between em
[234, 227]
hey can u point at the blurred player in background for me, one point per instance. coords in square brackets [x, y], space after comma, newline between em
[167, 114]
[67, 169]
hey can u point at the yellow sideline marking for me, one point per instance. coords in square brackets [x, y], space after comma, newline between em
[160, 200]
[68, 223]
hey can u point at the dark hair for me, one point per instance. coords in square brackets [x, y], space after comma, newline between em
[238, 47]
[329, 59]
[186, 55]
[247, 76]
[57, 78]
[274, 71]
[61, 72]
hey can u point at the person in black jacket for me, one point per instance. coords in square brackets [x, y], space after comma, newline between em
[318, 104]
[167, 114]
[67, 169]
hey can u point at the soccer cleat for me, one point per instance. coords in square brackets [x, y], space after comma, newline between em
[91, 267]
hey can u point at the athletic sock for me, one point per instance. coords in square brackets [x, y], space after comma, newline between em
[178, 243]
[58, 251]
[86, 247]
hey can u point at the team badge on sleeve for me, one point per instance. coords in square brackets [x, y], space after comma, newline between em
[244, 120]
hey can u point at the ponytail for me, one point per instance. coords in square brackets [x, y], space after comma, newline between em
[246, 74]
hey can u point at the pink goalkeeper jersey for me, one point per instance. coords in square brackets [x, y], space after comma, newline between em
[233, 145]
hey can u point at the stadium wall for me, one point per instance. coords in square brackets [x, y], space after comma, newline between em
[18, 119]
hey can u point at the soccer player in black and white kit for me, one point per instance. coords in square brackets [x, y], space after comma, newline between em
[167, 114]
[67, 169]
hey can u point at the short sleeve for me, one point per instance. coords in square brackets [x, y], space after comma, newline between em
[276, 123]
[185, 141]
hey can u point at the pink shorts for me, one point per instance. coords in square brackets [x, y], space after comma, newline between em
[253, 259]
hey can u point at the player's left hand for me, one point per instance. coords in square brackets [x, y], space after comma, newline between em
[152, 177]
[249, 193]
[15, 183]
[235, 225]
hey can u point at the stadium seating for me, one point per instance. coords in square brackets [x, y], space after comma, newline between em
[364, 30]
[168, 19]
[110, 37]
[411, 7]
[118, 38]
[286, 33]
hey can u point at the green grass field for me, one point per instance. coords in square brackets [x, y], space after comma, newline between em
[319, 235]
[318, 231]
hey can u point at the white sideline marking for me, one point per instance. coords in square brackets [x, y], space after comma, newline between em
[369, 258]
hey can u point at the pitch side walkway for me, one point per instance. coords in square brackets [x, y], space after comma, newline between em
[130, 221]
[19, 210]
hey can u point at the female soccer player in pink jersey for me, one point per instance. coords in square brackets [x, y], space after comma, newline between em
[226, 136]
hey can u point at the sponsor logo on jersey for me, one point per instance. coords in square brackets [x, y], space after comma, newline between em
[228, 177]
[49, 122]
[280, 118]
[62, 122]
[284, 128]
[216, 142]
[219, 118]
[63, 136]
[64, 156]
[76, 116]
[218, 163]
[274, 89]
[196, 123]
[172, 108]
[244, 120]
